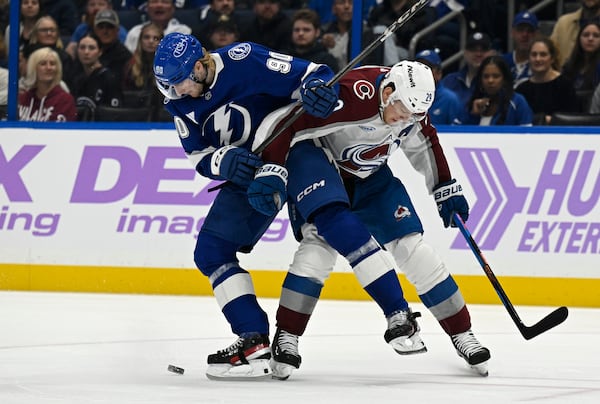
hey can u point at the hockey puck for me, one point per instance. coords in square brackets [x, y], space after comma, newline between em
[175, 369]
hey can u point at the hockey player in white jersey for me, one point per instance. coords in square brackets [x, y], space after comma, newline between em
[380, 111]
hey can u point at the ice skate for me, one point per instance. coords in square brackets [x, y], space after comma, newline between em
[285, 354]
[471, 350]
[245, 359]
[403, 333]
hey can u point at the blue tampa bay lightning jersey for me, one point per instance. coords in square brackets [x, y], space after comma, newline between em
[250, 82]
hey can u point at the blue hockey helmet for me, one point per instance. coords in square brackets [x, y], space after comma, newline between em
[174, 60]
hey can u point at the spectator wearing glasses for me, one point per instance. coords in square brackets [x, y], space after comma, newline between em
[65, 14]
[46, 33]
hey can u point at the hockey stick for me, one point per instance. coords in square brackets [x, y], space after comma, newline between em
[408, 14]
[551, 320]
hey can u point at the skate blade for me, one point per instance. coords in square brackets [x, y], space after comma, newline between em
[408, 346]
[257, 369]
[281, 371]
[481, 369]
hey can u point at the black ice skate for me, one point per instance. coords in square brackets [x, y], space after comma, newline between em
[247, 358]
[471, 350]
[403, 333]
[285, 354]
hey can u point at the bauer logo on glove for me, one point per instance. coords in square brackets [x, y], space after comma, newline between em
[449, 198]
[267, 193]
[448, 191]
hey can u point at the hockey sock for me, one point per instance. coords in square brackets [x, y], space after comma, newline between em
[299, 297]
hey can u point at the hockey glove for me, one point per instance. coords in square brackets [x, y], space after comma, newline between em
[235, 164]
[267, 193]
[318, 99]
[449, 198]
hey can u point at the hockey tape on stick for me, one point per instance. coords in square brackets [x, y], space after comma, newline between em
[408, 14]
[551, 320]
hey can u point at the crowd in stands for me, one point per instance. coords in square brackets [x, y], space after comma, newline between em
[79, 58]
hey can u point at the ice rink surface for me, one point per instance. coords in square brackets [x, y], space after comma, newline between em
[97, 348]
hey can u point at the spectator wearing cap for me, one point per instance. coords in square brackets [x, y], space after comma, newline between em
[114, 54]
[222, 33]
[477, 48]
[161, 13]
[446, 108]
[91, 8]
[209, 15]
[306, 30]
[524, 30]
[567, 27]
[270, 26]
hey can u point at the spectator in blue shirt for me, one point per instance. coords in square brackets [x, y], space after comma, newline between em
[523, 32]
[494, 100]
[446, 107]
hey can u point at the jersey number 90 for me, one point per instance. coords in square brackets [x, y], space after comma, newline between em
[279, 62]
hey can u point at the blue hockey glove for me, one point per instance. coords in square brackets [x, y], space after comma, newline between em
[267, 193]
[449, 198]
[235, 164]
[318, 99]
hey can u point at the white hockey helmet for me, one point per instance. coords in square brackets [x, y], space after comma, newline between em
[413, 85]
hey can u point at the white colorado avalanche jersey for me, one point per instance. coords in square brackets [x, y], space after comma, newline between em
[358, 138]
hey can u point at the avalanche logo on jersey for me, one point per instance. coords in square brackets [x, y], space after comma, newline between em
[230, 124]
[363, 89]
[240, 51]
[365, 158]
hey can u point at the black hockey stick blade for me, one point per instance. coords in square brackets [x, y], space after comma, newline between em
[528, 332]
[550, 321]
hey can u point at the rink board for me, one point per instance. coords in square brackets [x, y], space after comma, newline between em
[118, 210]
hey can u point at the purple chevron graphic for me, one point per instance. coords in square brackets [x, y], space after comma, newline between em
[498, 198]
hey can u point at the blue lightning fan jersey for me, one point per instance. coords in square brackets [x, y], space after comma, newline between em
[250, 82]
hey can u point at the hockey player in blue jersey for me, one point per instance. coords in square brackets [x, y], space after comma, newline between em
[224, 103]
[380, 111]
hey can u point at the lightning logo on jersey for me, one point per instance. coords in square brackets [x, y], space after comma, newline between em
[224, 120]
